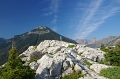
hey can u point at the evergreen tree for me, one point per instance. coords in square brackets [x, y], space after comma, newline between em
[14, 68]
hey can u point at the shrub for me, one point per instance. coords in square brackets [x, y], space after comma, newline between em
[32, 60]
[80, 53]
[112, 56]
[35, 47]
[51, 53]
[70, 46]
[36, 55]
[111, 73]
[74, 75]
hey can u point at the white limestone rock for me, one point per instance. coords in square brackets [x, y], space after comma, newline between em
[66, 65]
[90, 53]
[34, 65]
[63, 59]
[67, 72]
[43, 45]
[53, 49]
[89, 77]
[79, 57]
[50, 66]
[77, 68]
[98, 67]
[27, 53]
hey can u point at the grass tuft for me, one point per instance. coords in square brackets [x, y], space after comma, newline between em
[74, 75]
[70, 46]
[111, 73]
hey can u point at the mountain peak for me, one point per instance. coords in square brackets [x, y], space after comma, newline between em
[41, 27]
[39, 30]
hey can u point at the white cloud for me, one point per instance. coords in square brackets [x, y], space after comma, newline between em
[53, 8]
[94, 16]
[54, 19]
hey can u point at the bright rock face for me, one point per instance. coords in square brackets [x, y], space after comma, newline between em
[57, 58]
[98, 67]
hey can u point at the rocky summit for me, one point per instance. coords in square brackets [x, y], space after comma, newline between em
[55, 59]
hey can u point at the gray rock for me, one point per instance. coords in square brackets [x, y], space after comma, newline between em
[55, 69]
[34, 65]
[66, 65]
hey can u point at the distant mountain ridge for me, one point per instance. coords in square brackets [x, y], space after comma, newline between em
[31, 38]
[94, 43]
[109, 41]
[85, 41]
[2, 39]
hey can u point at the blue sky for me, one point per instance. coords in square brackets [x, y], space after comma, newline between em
[76, 19]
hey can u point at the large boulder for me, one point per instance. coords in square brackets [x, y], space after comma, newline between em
[98, 67]
[49, 67]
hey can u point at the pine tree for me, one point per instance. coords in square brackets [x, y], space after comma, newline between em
[14, 68]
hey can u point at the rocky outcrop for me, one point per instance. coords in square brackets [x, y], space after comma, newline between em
[58, 58]
[94, 54]
[98, 67]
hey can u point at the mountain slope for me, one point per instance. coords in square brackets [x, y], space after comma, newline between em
[23, 41]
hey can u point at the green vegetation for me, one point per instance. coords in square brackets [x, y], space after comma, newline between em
[74, 75]
[51, 53]
[70, 46]
[112, 56]
[35, 47]
[102, 47]
[80, 53]
[111, 73]
[36, 55]
[33, 60]
[72, 67]
[57, 50]
[87, 63]
[14, 68]
[21, 56]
